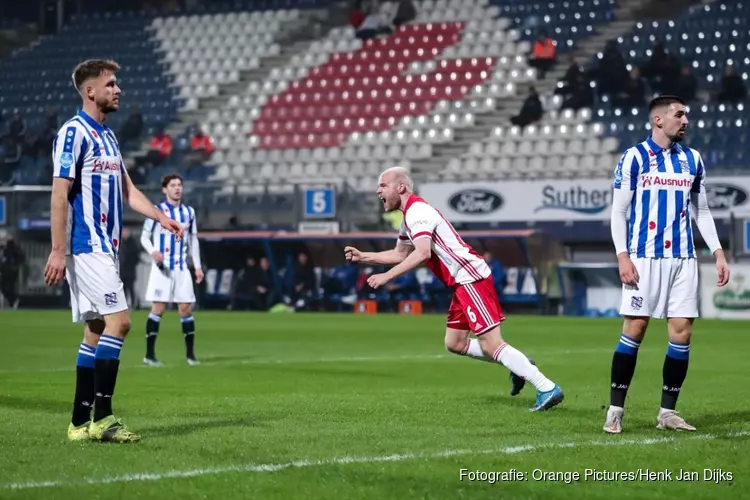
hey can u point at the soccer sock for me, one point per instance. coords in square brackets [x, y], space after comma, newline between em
[517, 362]
[674, 373]
[623, 367]
[474, 350]
[152, 330]
[106, 365]
[84, 398]
[188, 330]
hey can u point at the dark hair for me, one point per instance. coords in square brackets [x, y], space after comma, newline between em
[92, 68]
[664, 100]
[169, 178]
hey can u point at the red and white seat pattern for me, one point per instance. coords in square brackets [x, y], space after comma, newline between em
[346, 106]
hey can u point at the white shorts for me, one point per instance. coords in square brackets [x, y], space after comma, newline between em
[667, 288]
[170, 287]
[95, 286]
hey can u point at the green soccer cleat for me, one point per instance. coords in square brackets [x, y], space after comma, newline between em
[79, 433]
[111, 430]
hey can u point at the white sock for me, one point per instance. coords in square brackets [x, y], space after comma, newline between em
[474, 350]
[517, 362]
[618, 409]
[662, 411]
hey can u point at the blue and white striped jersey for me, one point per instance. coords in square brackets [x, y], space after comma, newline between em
[175, 253]
[662, 182]
[88, 153]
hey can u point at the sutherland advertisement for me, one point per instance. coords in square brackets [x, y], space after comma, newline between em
[557, 200]
[728, 302]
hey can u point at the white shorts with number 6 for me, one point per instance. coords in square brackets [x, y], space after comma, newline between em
[667, 288]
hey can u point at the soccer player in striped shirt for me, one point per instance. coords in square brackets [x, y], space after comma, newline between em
[660, 183]
[427, 238]
[90, 182]
[170, 280]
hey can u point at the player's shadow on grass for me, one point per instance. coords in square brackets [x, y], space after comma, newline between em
[526, 401]
[706, 421]
[35, 404]
[184, 428]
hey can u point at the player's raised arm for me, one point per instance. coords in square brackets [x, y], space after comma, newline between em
[384, 258]
[141, 204]
[624, 186]
[705, 221]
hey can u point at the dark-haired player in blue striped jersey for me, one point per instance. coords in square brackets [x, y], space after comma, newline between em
[658, 185]
[170, 280]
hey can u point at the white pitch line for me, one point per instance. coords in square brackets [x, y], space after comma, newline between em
[400, 457]
[342, 359]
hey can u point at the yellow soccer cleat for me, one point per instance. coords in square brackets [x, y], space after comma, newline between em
[79, 433]
[111, 430]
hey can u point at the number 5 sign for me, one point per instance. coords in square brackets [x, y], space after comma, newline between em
[320, 202]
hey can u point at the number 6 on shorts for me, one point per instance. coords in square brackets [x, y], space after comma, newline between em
[472, 316]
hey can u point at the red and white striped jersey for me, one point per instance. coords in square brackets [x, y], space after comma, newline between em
[452, 260]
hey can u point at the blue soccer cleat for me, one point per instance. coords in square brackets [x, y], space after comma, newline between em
[549, 399]
[516, 382]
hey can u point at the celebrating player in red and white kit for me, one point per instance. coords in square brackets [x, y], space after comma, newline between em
[426, 237]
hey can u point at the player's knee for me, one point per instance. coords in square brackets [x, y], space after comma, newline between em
[456, 345]
[158, 308]
[185, 309]
[119, 324]
[635, 327]
[680, 330]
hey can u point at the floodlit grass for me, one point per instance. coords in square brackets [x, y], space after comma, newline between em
[344, 406]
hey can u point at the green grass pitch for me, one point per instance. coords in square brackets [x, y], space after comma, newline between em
[342, 406]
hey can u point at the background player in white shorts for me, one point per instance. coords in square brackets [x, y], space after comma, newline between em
[427, 238]
[659, 182]
[89, 185]
[170, 280]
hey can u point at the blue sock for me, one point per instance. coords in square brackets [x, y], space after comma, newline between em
[678, 351]
[85, 356]
[623, 368]
[109, 347]
[188, 330]
[84, 396]
[673, 373]
[106, 367]
[628, 345]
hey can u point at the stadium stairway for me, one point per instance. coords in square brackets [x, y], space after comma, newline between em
[436, 167]
[293, 37]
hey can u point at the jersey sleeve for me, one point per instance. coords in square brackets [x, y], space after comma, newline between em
[68, 147]
[421, 219]
[403, 235]
[699, 183]
[195, 252]
[147, 236]
[626, 171]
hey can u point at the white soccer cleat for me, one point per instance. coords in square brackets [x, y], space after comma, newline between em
[671, 420]
[152, 362]
[613, 424]
[193, 362]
